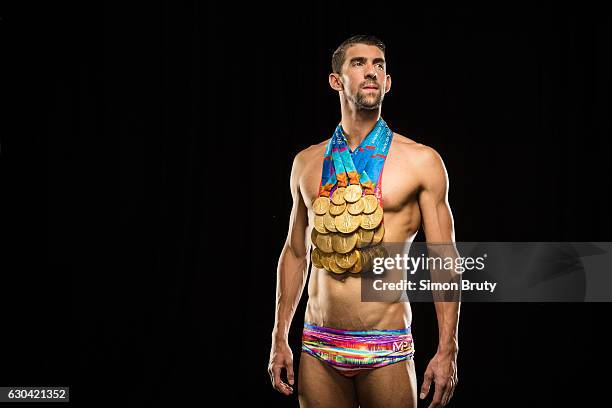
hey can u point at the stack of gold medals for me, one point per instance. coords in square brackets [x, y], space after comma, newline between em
[348, 230]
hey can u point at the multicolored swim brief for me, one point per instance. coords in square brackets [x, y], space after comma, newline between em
[351, 352]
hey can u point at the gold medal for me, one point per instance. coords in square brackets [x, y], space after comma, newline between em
[316, 258]
[370, 202]
[370, 221]
[318, 224]
[335, 268]
[372, 255]
[313, 236]
[353, 193]
[364, 238]
[325, 258]
[328, 222]
[358, 266]
[338, 196]
[379, 252]
[347, 223]
[356, 207]
[324, 242]
[337, 209]
[367, 260]
[343, 243]
[379, 233]
[320, 205]
[346, 260]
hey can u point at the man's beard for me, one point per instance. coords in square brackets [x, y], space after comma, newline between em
[364, 102]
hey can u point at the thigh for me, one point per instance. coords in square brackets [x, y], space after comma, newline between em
[394, 385]
[320, 386]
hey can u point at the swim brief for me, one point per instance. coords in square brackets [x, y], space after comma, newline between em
[351, 352]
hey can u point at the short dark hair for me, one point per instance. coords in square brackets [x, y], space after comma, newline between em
[339, 54]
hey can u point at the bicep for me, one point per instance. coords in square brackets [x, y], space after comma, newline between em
[433, 200]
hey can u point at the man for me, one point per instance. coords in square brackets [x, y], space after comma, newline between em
[415, 191]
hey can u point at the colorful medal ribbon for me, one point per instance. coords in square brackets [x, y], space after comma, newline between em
[348, 225]
[362, 166]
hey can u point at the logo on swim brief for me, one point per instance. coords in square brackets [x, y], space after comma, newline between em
[401, 345]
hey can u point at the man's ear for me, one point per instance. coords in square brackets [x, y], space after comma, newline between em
[335, 82]
[388, 83]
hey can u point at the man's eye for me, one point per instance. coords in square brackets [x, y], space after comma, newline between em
[380, 66]
[357, 63]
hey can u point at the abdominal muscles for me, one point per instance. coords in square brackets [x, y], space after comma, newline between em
[336, 303]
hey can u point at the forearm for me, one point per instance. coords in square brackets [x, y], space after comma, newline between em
[448, 326]
[291, 276]
[447, 302]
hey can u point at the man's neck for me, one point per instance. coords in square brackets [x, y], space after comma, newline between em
[358, 124]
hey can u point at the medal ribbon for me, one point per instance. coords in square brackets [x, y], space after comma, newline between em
[362, 166]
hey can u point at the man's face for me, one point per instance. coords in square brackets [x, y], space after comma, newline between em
[364, 76]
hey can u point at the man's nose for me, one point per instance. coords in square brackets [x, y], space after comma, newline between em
[370, 72]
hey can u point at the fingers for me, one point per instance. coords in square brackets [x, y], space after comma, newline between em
[271, 372]
[289, 368]
[277, 382]
[437, 399]
[447, 394]
[450, 390]
[426, 383]
[444, 390]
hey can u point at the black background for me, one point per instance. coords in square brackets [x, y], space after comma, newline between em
[150, 198]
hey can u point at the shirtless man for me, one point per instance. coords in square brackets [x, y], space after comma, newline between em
[415, 189]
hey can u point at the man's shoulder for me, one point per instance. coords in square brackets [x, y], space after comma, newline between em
[416, 153]
[311, 152]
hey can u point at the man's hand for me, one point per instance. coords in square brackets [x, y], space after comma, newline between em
[281, 357]
[442, 369]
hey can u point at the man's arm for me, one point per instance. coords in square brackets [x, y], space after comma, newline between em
[291, 276]
[438, 228]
